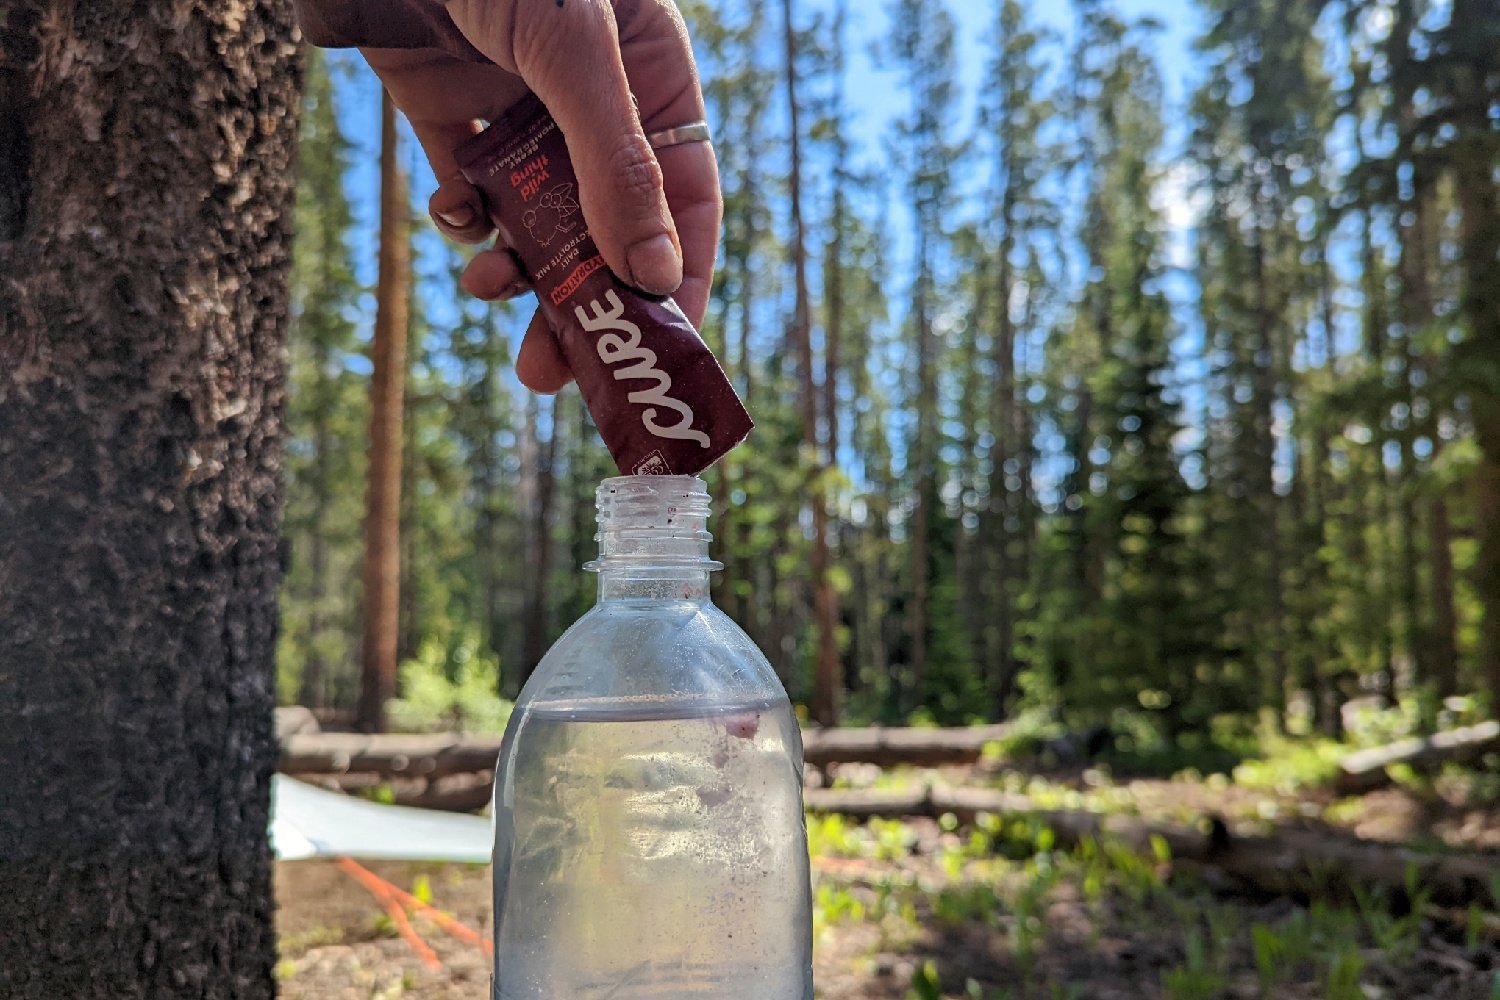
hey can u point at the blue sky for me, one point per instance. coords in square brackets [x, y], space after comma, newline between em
[877, 99]
[1181, 21]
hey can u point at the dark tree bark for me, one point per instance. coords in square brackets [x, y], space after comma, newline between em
[382, 568]
[146, 171]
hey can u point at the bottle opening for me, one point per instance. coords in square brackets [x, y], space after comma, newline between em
[653, 520]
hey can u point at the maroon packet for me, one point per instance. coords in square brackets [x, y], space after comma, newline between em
[656, 392]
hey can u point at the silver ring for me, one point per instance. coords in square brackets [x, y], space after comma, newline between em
[691, 132]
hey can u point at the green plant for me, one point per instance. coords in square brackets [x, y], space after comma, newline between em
[832, 836]
[1474, 927]
[1195, 979]
[924, 983]
[834, 905]
[961, 905]
[1398, 936]
[451, 686]
[1028, 908]
[893, 839]
[1289, 766]
[1345, 969]
[1270, 949]
[973, 990]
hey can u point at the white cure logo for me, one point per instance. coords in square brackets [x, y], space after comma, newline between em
[624, 345]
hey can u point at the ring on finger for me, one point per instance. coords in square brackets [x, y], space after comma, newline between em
[691, 132]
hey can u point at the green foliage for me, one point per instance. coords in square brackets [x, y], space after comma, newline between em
[833, 905]
[451, 688]
[1196, 978]
[326, 417]
[924, 983]
[1291, 766]
[1342, 981]
[1181, 439]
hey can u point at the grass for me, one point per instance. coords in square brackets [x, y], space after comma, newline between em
[1004, 877]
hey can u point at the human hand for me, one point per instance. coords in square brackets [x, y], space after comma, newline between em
[654, 214]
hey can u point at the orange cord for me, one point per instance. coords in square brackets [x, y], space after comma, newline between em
[454, 928]
[382, 891]
[383, 888]
[422, 948]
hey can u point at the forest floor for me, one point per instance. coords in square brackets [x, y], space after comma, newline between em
[917, 910]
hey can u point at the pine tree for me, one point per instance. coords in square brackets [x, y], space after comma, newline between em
[1464, 70]
[923, 50]
[383, 510]
[1014, 112]
[1262, 120]
[325, 410]
[827, 683]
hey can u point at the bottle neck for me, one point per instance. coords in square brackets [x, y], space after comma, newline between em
[653, 542]
[655, 584]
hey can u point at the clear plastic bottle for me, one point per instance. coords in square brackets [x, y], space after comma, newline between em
[649, 837]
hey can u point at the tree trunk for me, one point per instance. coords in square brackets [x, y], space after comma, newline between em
[1327, 717]
[538, 599]
[1479, 200]
[1000, 666]
[1266, 501]
[408, 520]
[827, 683]
[924, 479]
[382, 568]
[487, 549]
[144, 251]
[1444, 615]
[1371, 282]
[313, 689]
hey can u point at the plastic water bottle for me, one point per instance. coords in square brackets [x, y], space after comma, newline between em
[649, 836]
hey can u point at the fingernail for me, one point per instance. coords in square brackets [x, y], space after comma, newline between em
[459, 217]
[511, 291]
[655, 266]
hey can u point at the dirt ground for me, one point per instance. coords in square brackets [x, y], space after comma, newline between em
[338, 945]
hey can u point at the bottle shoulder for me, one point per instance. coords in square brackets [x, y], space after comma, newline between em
[680, 652]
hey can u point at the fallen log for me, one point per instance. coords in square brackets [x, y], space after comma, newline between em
[1302, 864]
[463, 793]
[391, 756]
[1366, 770]
[293, 720]
[894, 747]
[440, 755]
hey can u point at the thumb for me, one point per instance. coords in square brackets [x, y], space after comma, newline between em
[569, 55]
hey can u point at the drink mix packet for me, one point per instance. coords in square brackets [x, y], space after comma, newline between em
[656, 392]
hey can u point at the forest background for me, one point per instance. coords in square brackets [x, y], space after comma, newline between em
[1132, 365]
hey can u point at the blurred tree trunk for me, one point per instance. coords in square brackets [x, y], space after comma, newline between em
[1266, 501]
[382, 567]
[826, 680]
[144, 252]
[925, 481]
[488, 551]
[535, 631]
[1327, 717]
[1468, 50]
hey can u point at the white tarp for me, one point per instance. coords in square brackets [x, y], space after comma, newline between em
[309, 822]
